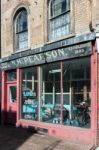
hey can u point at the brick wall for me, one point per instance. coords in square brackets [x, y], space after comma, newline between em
[97, 11]
[80, 15]
[35, 23]
[82, 19]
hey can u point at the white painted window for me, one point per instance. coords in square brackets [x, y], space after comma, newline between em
[21, 30]
[59, 18]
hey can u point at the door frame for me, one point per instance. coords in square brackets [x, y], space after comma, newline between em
[4, 99]
[11, 106]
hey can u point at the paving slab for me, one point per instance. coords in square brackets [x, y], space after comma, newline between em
[12, 138]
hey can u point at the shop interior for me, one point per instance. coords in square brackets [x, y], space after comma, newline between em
[65, 93]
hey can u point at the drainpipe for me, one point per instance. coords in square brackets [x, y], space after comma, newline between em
[90, 17]
[97, 40]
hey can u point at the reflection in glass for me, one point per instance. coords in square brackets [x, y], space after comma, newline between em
[11, 75]
[13, 94]
[59, 18]
[21, 30]
[76, 93]
[70, 105]
[29, 94]
[51, 93]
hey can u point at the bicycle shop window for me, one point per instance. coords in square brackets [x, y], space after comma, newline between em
[76, 93]
[59, 18]
[51, 93]
[21, 30]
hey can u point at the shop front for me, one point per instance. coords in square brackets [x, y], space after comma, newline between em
[53, 91]
[65, 93]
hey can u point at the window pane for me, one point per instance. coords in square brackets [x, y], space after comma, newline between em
[59, 26]
[66, 92]
[21, 30]
[66, 99]
[22, 40]
[13, 94]
[67, 4]
[59, 6]
[29, 94]
[78, 74]
[11, 76]
[88, 73]
[63, 6]
[51, 93]
[76, 93]
[21, 23]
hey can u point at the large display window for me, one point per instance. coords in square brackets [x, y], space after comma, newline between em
[51, 93]
[65, 89]
[78, 101]
[29, 94]
[71, 104]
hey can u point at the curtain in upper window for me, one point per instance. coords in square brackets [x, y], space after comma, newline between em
[59, 18]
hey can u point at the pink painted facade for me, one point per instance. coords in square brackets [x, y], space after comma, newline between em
[71, 133]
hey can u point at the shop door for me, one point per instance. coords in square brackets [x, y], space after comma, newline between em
[11, 103]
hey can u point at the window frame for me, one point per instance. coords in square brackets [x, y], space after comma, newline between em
[53, 17]
[66, 25]
[16, 33]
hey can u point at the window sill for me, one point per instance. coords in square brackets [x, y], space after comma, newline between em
[19, 51]
[60, 39]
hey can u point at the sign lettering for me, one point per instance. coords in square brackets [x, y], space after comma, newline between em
[49, 56]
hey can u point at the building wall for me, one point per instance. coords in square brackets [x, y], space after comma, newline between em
[84, 14]
[96, 10]
[80, 14]
[96, 5]
[98, 98]
[0, 61]
[35, 23]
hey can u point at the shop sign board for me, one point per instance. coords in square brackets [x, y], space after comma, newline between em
[49, 56]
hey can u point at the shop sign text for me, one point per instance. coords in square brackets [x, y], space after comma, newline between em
[49, 56]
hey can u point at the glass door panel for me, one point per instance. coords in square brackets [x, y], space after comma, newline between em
[11, 103]
[13, 94]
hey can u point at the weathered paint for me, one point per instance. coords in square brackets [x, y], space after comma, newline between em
[39, 93]
[76, 134]
[94, 97]
[61, 91]
[3, 104]
[11, 110]
[18, 94]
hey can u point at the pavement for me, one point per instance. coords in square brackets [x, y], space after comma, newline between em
[12, 138]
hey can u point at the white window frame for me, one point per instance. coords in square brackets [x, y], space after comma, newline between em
[17, 49]
[51, 18]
